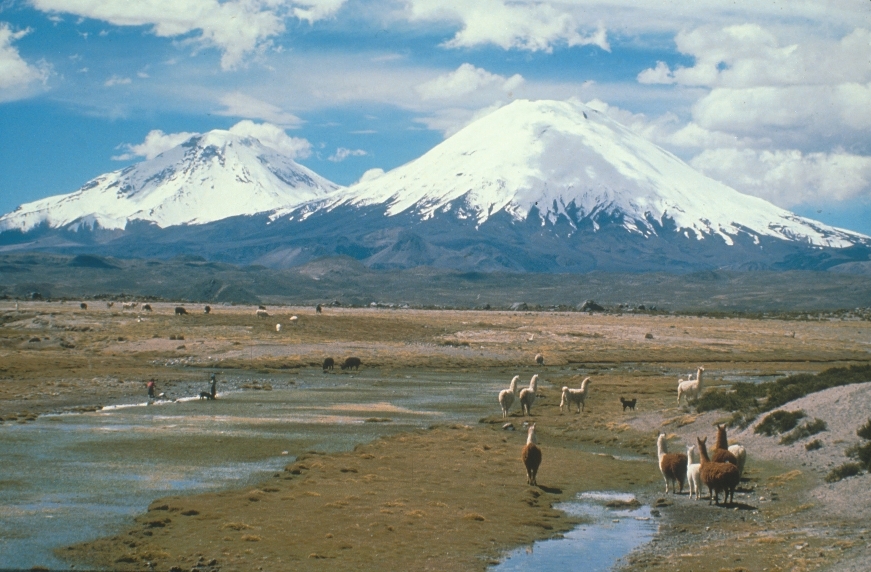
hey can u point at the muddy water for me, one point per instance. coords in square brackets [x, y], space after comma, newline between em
[69, 478]
[609, 535]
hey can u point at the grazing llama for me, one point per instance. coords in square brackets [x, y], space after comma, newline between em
[694, 476]
[692, 388]
[717, 476]
[527, 395]
[329, 364]
[531, 456]
[180, 311]
[507, 396]
[539, 359]
[673, 466]
[722, 454]
[575, 396]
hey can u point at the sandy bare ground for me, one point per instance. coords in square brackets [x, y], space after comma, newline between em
[455, 498]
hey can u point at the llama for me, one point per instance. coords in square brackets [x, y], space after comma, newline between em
[741, 454]
[278, 328]
[527, 396]
[110, 304]
[630, 403]
[539, 359]
[577, 397]
[694, 476]
[261, 314]
[329, 364]
[531, 456]
[318, 309]
[721, 449]
[690, 387]
[207, 310]
[717, 476]
[128, 305]
[673, 466]
[507, 396]
[146, 308]
[83, 306]
[351, 363]
[294, 318]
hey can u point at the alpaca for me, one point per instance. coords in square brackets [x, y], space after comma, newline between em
[673, 466]
[146, 308]
[539, 359]
[531, 456]
[83, 306]
[278, 328]
[507, 396]
[527, 395]
[575, 396]
[690, 387]
[741, 454]
[261, 314]
[694, 477]
[630, 403]
[351, 363]
[329, 364]
[294, 318]
[717, 476]
[721, 449]
[180, 311]
[207, 309]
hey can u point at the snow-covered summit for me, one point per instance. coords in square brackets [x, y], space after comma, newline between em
[208, 178]
[564, 158]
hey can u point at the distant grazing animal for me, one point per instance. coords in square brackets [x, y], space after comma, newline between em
[352, 363]
[717, 476]
[577, 397]
[630, 403]
[692, 388]
[128, 305]
[207, 310]
[527, 396]
[83, 306]
[206, 395]
[277, 327]
[146, 307]
[721, 449]
[507, 396]
[673, 466]
[694, 476]
[531, 456]
[110, 304]
[261, 314]
[294, 318]
[261, 307]
[539, 359]
[318, 309]
[180, 311]
[329, 363]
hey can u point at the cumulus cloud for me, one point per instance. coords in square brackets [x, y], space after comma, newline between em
[342, 153]
[17, 77]
[312, 11]
[451, 119]
[156, 142]
[790, 177]
[533, 26]
[274, 137]
[238, 104]
[117, 80]
[464, 80]
[371, 175]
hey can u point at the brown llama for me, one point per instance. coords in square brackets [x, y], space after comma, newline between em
[721, 448]
[673, 466]
[717, 476]
[531, 456]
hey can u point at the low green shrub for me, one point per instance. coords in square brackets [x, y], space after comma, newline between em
[805, 430]
[865, 430]
[841, 472]
[779, 422]
[813, 445]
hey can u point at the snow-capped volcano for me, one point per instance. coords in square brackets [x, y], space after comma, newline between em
[208, 178]
[567, 161]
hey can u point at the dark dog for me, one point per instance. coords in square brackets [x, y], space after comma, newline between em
[630, 403]
[206, 395]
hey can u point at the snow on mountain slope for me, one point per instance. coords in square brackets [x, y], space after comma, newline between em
[565, 158]
[208, 178]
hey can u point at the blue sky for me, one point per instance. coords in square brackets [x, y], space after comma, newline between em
[775, 102]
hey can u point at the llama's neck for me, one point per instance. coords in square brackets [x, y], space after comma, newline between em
[584, 385]
[690, 454]
[699, 373]
[661, 448]
[513, 386]
[722, 441]
[533, 383]
[530, 437]
[703, 453]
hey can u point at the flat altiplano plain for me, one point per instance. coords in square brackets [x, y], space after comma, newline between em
[452, 496]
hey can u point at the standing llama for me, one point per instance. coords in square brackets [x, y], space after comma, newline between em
[717, 476]
[694, 476]
[673, 466]
[725, 453]
[531, 456]
[507, 396]
[577, 397]
[527, 395]
[692, 388]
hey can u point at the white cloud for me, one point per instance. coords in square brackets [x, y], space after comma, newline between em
[314, 10]
[371, 175]
[452, 119]
[117, 80]
[17, 77]
[274, 137]
[156, 142]
[238, 104]
[524, 25]
[342, 153]
[790, 177]
[464, 80]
